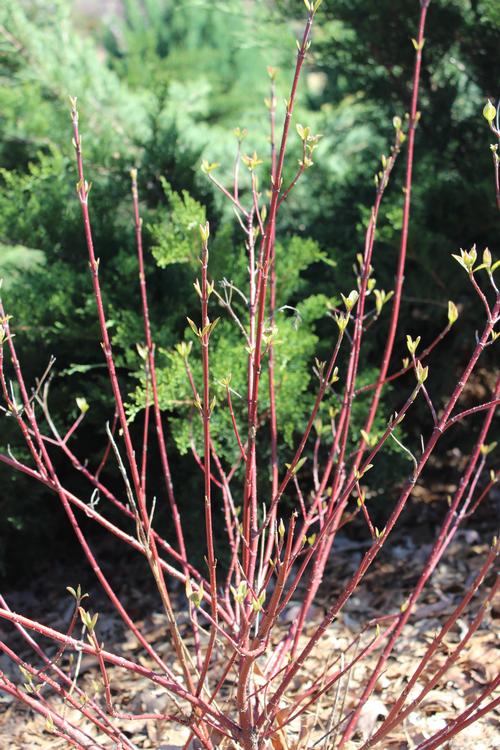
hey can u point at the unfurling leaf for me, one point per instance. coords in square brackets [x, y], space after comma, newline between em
[257, 604]
[300, 463]
[142, 351]
[240, 593]
[359, 474]
[350, 300]
[421, 372]
[467, 258]
[195, 596]
[412, 344]
[240, 134]
[193, 327]
[251, 161]
[184, 348]
[207, 167]
[485, 449]
[342, 320]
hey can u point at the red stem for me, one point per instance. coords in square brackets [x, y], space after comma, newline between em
[152, 372]
[396, 303]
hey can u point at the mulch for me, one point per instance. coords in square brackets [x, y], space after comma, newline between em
[383, 591]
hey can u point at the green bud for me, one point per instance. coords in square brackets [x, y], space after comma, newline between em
[49, 724]
[487, 259]
[281, 529]
[370, 440]
[360, 474]
[195, 596]
[197, 288]
[82, 404]
[205, 232]
[335, 376]
[489, 112]
[452, 312]
[184, 348]
[306, 163]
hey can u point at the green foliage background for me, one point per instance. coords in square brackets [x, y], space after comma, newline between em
[161, 86]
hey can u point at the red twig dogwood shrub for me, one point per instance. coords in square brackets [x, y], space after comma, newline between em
[233, 678]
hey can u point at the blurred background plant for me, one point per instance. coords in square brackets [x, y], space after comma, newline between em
[162, 85]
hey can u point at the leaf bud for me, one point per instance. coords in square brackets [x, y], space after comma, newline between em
[204, 232]
[281, 529]
[421, 372]
[82, 404]
[489, 112]
[452, 312]
[487, 259]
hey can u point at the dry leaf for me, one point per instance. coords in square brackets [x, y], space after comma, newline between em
[371, 711]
